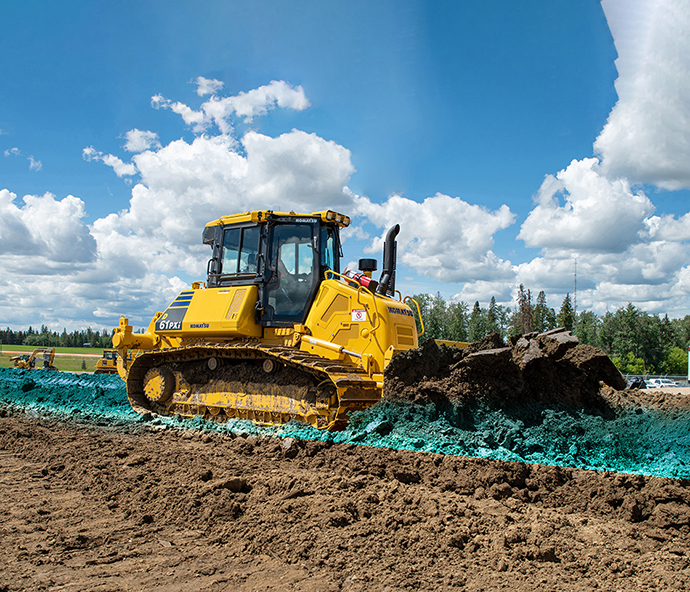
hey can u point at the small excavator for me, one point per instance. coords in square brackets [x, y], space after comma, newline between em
[28, 361]
[276, 332]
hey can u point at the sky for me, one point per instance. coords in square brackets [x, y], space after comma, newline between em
[543, 143]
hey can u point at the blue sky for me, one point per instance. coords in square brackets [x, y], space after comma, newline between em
[508, 139]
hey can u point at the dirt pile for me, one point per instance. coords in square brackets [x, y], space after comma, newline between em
[134, 507]
[549, 367]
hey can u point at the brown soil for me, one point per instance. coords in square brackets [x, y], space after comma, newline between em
[550, 367]
[134, 508]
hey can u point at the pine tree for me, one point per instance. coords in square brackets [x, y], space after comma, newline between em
[524, 312]
[477, 328]
[492, 317]
[566, 316]
[540, 318]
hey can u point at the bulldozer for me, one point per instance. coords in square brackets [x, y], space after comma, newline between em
[28, 361]
[107, 363]
[276, 332]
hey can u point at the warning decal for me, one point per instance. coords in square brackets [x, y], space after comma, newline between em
[359, 314]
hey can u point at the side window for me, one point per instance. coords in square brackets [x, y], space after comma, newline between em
[231, 250]
[240, 250]
[329, 257]
[250, 250]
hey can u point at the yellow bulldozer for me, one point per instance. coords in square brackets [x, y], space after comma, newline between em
[28, 361]
[276, 332]
[107, 363]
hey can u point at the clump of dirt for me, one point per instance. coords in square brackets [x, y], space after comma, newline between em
[551, 368]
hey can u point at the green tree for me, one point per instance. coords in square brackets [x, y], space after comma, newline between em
[477, 325]
[522, 317]
[566, 316]
[677, 361]
[434, 315]
[543, 317]
[629, 364]
[492, 317]
[586, 327]
[458, 321]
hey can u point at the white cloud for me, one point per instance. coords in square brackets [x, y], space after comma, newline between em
[138, 141]
[596, 214]
[43, 233]
[647, 136]
[246, 105]
[34, 165]
[12, 152]
[120, 167]
[207, 86]
[444, 238]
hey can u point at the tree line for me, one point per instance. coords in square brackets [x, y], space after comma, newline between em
[47, 338]
[636, 342]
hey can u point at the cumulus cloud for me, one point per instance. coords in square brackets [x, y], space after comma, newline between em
[610, 230]
[647, 135]
[580, 209]
[12, 152]
[445, 238]
[43, 232]
[132, 261]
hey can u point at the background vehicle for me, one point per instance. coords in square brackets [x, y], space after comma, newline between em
[276, 332]
[44, 357]
[107, 364]
[660, 383]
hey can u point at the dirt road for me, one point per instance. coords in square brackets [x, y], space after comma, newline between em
[131, 507]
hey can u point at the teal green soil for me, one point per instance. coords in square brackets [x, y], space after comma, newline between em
[649, 442]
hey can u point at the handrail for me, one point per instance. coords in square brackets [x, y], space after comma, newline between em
[419, 312]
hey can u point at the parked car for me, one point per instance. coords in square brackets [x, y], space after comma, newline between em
[660, 383]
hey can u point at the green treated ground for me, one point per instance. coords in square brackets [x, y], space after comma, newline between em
[642, 441]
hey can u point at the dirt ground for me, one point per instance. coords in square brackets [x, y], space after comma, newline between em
[133, 507]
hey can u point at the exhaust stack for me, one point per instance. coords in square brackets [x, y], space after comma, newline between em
[387, 281]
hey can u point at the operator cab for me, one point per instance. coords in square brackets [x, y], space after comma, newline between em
[285, 255]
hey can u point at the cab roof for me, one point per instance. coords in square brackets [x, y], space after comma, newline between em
[263, 215]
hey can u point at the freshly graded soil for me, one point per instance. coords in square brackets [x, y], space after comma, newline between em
[134, 507]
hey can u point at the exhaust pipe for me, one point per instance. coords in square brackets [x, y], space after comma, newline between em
[387, 281]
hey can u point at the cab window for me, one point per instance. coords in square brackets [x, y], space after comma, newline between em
[240, 250]
[293, 278]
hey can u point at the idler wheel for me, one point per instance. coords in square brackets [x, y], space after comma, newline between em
[159, 384]
[270, 366]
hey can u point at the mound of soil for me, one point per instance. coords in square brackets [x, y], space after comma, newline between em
[549, 367]
[137, 508]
